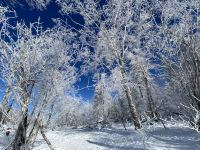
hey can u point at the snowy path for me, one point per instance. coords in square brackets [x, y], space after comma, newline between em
[175, 138]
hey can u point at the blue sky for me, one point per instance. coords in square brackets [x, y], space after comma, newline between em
[1, 87]
[29, 15]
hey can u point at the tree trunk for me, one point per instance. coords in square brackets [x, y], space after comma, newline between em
[1, 114]
[132, 107]
[20, 137]
[33, 133]
[4, 103]
[45, 138]
[49, 116]
[151, 104]
[36, 124]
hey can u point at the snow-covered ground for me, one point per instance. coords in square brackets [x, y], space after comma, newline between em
[176, 137]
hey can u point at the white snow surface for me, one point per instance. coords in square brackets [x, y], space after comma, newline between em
[154, 137]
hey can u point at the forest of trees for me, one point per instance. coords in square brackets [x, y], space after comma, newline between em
[143, 55]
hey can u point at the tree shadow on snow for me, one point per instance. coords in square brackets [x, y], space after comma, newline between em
[176, 138]
[113, 146]
[117, 139]
[181, 139]
[107, 130]
[118, 131]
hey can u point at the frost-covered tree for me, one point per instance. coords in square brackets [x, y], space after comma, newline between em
[103, 101]
[175, 47]
[115, 30]
[37, 65]
[175, 53]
